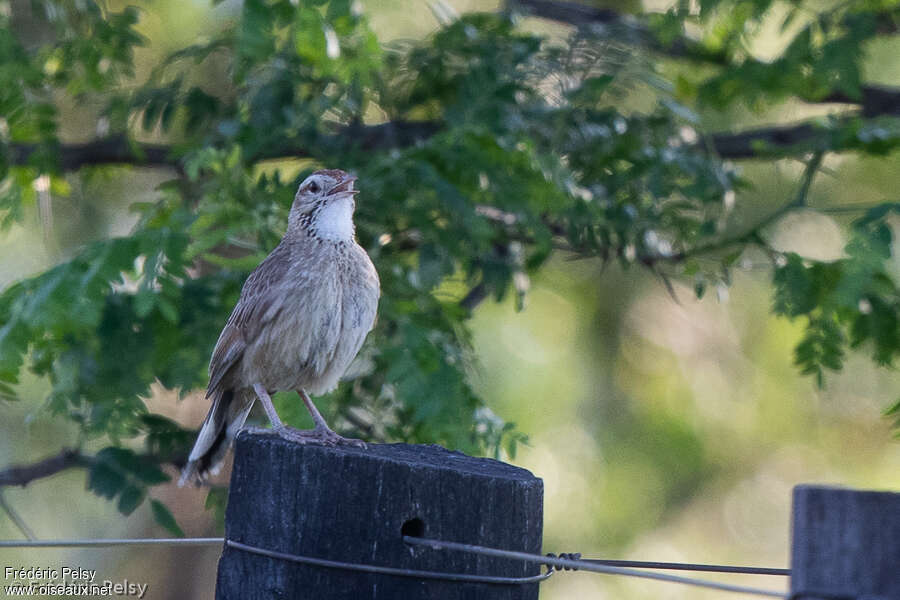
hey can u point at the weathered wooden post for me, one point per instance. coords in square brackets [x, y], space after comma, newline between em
[846, 544]
[353, 506]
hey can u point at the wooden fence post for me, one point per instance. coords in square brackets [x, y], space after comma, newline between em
[353, 505]
[846, 544]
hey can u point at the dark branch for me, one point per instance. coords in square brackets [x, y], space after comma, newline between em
[475, 296]
[393, 134]
[581, 15]
[752, 234]
[22, 475]
[569, 12]
[119, 149]
[753, 143]
[68, 458]
[110, 150]
[888, 22]
[770, 141]
[875, 100]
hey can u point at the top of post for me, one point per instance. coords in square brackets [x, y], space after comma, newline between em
[430, 456]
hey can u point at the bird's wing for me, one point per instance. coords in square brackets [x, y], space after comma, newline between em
[258, 304]
[229, 349]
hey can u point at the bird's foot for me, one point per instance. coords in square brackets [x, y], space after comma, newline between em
[320, 435]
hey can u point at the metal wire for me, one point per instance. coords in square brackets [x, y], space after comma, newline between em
[670, 566]
[587, 566]
[333, 564]
[103, 543]
[673, 566]
[563, 561]
[636, 564]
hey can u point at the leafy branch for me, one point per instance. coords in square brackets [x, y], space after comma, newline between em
[663, 33]
[22, 475]
[112, 473]
[120, 149]
[581, 15]
[753, 234]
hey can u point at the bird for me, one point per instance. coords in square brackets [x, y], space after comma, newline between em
[301, 319]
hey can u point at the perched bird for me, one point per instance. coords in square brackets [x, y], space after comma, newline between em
[301, 318]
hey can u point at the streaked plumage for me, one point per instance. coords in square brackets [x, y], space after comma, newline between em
[301, 319]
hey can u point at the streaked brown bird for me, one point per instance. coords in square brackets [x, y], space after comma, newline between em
[301, 319]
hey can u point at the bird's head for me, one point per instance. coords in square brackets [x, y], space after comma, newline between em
[323, 206]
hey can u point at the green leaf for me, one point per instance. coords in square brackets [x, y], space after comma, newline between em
[131, 497]
[164, 517]
[217, 502]
[144, 302]
[699, 288]
[106, 479]
[7, 393]
[893, 413]
[591, 90]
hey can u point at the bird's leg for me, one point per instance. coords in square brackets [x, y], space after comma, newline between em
[321, 433]
[266, 401]
[317, 417]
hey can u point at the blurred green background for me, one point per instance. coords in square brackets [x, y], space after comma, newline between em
[663, 430]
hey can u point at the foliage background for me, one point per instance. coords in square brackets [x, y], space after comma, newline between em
[663, 429]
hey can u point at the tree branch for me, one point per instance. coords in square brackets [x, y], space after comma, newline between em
[581, 15]
[753, 143]
[109, 150]
[874, 100]
[475, 296]
[118, 149]
[769, 141]
[22, 475]
[753, 233]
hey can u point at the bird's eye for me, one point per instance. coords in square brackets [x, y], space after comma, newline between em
[313, 187]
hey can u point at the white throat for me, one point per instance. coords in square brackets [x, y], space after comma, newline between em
[334, 221]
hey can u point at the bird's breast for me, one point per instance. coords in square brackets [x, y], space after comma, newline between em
[325, 312]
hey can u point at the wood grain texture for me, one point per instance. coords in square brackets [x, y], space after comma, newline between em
[349, 504]
[846, 544]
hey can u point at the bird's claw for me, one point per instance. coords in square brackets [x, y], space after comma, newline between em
[320, 435]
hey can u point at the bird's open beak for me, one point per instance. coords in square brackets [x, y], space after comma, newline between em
[344, 187]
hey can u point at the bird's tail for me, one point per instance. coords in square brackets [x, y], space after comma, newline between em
[226, 416]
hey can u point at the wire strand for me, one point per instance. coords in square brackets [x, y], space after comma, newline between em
[587, 566]
[635, 564]
[334, 564]
[611, 567]
[672, 566]
[111, 542]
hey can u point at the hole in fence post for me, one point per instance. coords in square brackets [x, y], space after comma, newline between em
[413, 528]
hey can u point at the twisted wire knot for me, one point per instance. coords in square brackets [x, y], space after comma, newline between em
[564, 556]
